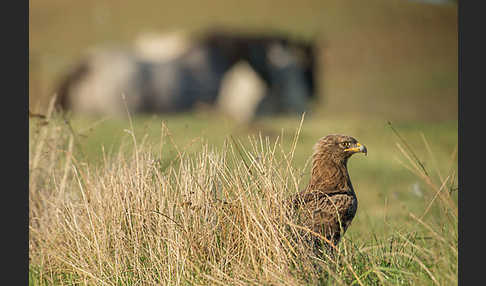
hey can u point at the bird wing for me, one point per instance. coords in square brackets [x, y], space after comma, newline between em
[328, 213]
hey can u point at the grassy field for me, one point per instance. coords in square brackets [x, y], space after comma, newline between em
[120, 214]
[107, 195]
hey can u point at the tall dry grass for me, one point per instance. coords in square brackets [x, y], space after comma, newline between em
[211, 217]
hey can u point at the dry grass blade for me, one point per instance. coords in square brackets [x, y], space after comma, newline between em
[410, 151]
[435, 196]
[429, 150]
[131, 131]
[40, 144]
[444, 196]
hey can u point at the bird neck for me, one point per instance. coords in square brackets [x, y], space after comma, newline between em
[329, 174]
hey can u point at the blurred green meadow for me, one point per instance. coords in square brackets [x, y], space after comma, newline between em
[381, 62]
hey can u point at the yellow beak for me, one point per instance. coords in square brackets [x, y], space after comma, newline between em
[358, 148]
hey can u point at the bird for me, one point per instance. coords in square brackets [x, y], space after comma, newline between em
[328, 204]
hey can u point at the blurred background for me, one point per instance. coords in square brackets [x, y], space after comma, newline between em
[351, 65]
[385, 58]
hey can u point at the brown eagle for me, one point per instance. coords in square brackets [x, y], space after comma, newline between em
[328, 204]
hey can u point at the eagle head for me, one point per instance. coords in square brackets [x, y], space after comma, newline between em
[338, 148]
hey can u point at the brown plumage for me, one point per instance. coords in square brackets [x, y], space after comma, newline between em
[328, 204]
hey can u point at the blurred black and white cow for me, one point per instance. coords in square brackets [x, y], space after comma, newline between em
[174, 73]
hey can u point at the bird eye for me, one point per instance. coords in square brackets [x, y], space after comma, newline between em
[345, 144]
